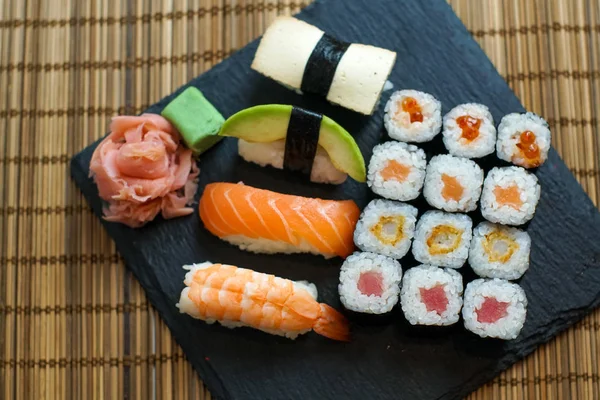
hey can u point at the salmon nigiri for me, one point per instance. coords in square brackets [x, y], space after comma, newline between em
[238, 297]
[268, 222]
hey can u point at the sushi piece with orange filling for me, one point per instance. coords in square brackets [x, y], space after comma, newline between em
[397, 171]
[509, 196]
[453, 183]
[413, 116]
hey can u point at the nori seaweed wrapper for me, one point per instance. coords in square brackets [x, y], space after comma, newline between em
[301, 141]
[321, 65]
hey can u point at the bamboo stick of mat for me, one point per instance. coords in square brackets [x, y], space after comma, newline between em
[73, 322]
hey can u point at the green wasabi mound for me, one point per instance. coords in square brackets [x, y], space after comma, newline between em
[196, 119]
[268, 123]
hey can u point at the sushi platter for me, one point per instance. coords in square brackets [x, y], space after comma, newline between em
[344, 210]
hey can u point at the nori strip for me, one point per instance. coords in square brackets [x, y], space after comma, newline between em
[321, 65]
[301, 141]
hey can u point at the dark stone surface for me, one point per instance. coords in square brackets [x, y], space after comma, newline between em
[389, 359]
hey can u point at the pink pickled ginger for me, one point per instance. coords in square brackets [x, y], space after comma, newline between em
[141, 169]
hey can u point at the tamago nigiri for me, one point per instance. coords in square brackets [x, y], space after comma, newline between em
[237, 297]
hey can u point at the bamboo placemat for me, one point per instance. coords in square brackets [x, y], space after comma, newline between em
[73, 322]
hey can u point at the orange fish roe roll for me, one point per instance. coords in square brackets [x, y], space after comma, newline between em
[523, 139]
[413, 116]
[263, 221]
[237, 297]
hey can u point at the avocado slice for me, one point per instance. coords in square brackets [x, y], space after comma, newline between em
[268, 123]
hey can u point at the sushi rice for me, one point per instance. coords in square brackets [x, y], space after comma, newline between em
[397, 170]
[512, 137]
[453, 183]
[509, 196]
[503, 317]
[431, 295]
[370, 283]
[386, 227]
[499, 251]
[442, 239]
[469, 131]
[272, 153]
[398, 121]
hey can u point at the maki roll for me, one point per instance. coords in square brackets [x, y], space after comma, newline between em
[469, 131]
[397, 171]
[386, 227]
[431, 295]
[523, 139]
[370, 283]
[499, 251]
[453, 183]
[413, 116]
[494, 308]
[509, 196]
[308, 144]
[302, 57]
[442, 239]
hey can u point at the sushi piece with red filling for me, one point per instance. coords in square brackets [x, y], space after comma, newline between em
[431, 295]
[370, 283]
[494, 308]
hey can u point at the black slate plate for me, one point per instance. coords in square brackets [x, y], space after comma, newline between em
[389, 359]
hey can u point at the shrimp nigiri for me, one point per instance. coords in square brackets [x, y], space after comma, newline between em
[238, 297]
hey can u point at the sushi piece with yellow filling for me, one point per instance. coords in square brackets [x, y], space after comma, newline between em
[386, 227]
[442, 239]
[499, 251]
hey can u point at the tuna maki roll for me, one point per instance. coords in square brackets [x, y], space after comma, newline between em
[469, 131]
[442, 239]
[397, 171]
[370, 283]
[523, 139]
[413, 116]
[499, 251]
[509, 196]
[431, 295]
[494, 308]
[453, 183]
[386, 227]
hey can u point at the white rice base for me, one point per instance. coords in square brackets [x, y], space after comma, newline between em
[467, 172]
[516, 265]
[267, 246]
[404, 130]
[509, 132]
[529, 189]
[426, 277]
[367, 241]
[405, 154]
[482, 145]
[505, 328]
[187, 306]
[358, 263]
[431, 219]
[273, 153]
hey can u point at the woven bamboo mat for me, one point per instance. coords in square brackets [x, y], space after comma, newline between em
[73, 321]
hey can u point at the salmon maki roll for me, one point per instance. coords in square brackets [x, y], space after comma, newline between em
[238, 297]
[263, 221]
